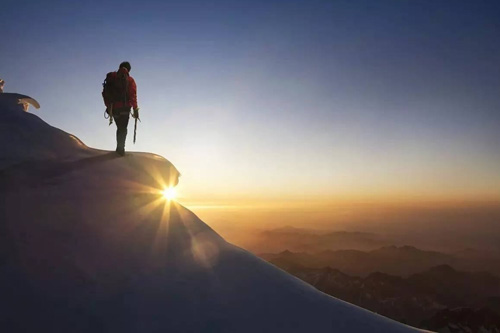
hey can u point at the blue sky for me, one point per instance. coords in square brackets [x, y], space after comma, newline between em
[279, 98]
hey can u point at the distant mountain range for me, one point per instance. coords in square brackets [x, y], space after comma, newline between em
[395, 260]
[421, 300]
[437, 291]
[307, 240]
[479, 248]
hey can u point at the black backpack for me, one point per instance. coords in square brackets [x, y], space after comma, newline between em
[115, 88]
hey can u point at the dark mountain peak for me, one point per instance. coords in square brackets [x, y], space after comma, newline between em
[330, 270]
[382, 277]
[390, 248]
[408, 248]
[443, 269]
[287, 253]
[405, 248]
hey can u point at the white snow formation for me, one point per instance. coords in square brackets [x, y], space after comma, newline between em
[88, 244]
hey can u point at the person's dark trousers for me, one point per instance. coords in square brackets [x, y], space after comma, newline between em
[121, 117]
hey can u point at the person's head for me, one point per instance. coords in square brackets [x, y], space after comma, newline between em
[126, 65]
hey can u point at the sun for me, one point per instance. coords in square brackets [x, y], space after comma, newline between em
[169, 193]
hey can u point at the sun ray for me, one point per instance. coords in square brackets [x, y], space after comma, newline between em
[160, 241]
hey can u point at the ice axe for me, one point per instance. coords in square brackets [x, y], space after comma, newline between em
[136, 113]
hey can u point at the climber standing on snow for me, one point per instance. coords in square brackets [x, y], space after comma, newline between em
[120, 96]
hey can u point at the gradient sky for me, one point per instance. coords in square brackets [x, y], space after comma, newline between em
[257, 100]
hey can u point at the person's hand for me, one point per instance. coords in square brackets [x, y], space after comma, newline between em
[136, 113]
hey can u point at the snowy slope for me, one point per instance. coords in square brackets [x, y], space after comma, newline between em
[88, 245]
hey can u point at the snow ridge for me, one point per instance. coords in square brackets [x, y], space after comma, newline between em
[88, 244]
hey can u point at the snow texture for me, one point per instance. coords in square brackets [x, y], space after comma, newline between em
[88, 245]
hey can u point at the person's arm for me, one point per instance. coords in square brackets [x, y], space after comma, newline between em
[132, 92]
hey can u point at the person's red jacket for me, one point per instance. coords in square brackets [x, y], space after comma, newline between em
[131, 94]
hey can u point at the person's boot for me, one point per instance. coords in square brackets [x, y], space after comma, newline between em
[120, 151]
